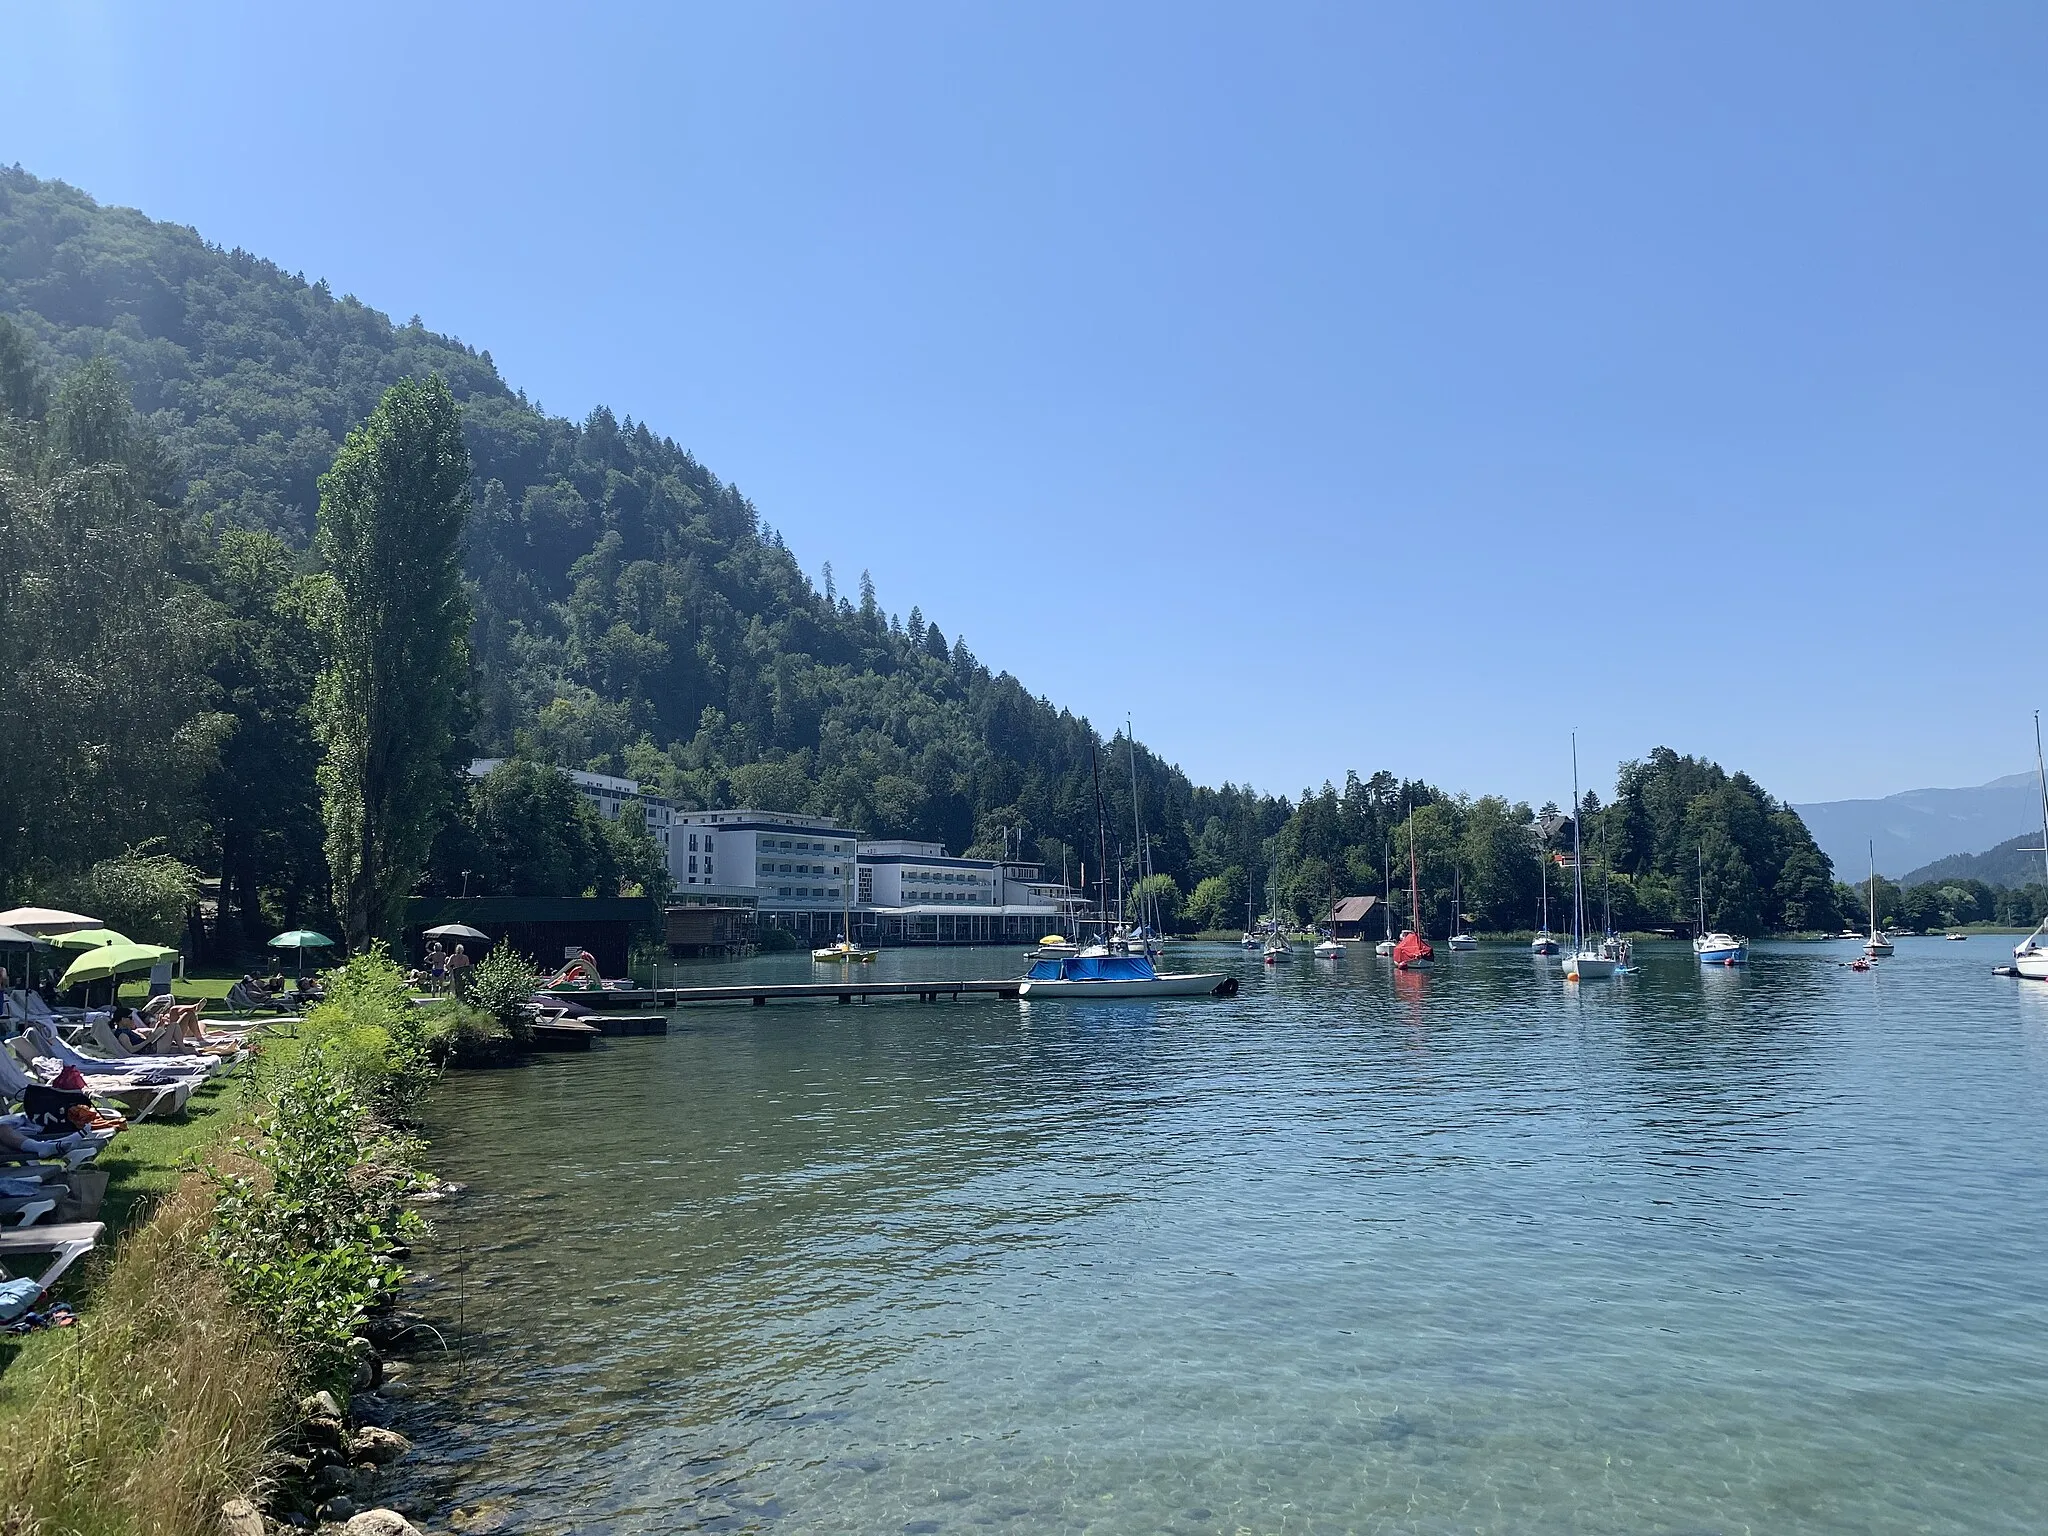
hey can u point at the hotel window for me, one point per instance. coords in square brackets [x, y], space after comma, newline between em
[707, 866]
[693, 842]
[693, 863]
[707, 842]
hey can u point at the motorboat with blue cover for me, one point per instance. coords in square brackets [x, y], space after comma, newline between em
[1100, 972]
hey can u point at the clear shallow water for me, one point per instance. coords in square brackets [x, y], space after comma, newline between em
[1477, 1251]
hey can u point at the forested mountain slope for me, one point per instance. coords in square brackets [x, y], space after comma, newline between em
[2013, 863]
[634, 615]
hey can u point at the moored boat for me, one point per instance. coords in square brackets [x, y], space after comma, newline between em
[1879, 944]
[1412, 951]
[1460, 939]
[844, 953]
[1329, 949]
[2030, 958]
[1098, 972]
[1586, 962]
[1710, 946]
[1545, 942]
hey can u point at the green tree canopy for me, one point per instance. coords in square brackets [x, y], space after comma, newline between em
[392, 620]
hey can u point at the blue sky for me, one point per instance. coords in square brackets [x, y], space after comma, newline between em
[1324, 386]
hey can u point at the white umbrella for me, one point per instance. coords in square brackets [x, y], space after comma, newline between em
[44, 920]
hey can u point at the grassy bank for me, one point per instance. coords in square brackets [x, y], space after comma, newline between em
[257, 1234]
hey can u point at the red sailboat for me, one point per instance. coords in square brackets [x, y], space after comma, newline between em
[1413, 953]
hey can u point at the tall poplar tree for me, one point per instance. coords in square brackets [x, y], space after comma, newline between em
[394, 624]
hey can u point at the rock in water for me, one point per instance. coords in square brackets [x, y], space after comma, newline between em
[382, 1446]
[380, 1522]
[238, 1517]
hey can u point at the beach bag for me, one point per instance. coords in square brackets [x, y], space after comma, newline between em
[49, 1109]
[84, 1189]
[70, 1078]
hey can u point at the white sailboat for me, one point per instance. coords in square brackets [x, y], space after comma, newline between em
[2030, 959]
[1545, 942]
[1584, 963]
[1459, 940]
[1385, 947]
[1713, 947]
[1878, 945]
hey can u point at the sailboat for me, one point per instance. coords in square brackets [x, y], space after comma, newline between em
[1583, 963]
[1412, 952]
[1251, 938]
[1276, 946]
[2031, 958]
[1714, 947]
[1105, 970]
[1385, 947]
[1545, 943]
[1459, 938]
[1877, 946]
[845, 952]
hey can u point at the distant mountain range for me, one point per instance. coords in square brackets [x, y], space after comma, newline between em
[1917, 828]
[2016, 861]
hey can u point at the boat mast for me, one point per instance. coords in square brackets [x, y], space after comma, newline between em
[1414, 882]
[1703, 892]
[1578, 875]
[1101, 843]
[1543, 882]
[2041, 769]
[1137, 824]
[1872, 846]
[1606, 885]
[1387, 877]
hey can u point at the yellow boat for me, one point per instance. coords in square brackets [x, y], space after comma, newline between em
[845, 953]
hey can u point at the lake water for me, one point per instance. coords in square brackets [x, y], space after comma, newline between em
[1476, 1251]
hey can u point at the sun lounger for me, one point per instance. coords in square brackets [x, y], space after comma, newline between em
[64, 1245]
[137, 1097]
[29, 1007]
[159, 1068]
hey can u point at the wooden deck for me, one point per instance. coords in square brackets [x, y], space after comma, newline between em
[848, 991]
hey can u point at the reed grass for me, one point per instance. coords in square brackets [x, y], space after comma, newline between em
[162, 1404]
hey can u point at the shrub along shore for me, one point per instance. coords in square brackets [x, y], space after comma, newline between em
[225, 1368]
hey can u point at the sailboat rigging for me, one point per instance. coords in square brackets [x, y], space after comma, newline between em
[1413, 953]
[2030, 959]
[1585, 963]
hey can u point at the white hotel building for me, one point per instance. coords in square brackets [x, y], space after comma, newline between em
[794, 872]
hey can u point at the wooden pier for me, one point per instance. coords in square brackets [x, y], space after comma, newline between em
[849, 991]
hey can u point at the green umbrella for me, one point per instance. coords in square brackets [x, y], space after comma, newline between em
[302, 939]
[88, 938]
[115, 960]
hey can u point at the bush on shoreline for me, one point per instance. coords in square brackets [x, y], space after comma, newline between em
[249, 1287]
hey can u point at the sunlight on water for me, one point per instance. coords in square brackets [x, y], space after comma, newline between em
[1480, 1251]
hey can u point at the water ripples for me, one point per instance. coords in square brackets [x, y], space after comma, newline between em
[1690, 1252]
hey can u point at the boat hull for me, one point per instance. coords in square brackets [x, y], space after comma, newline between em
[2032, 966]
[1463, 941]
[1589, 968]
[1722, 954]
[1878, 948]
[1155, 986]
